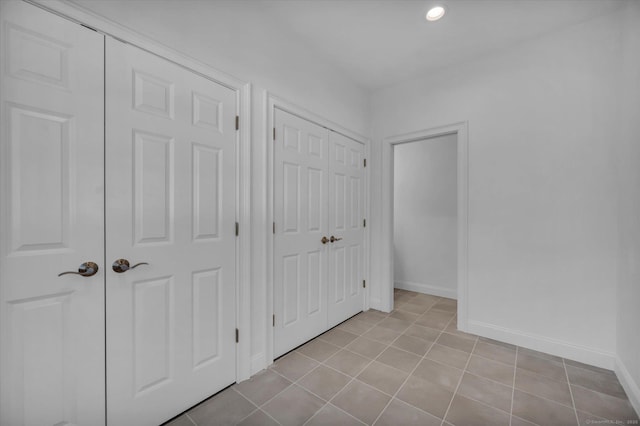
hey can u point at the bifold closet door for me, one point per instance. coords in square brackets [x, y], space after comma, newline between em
[346, 222]
[171, 203]
[51, 220]
[300, 214]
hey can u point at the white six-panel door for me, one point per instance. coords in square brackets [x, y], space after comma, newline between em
[170, 185]
[51, 195]
[346, 221]
[318, 192]
[300, 269]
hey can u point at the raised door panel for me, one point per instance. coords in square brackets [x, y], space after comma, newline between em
[51, 219]
[300, 259]
[346, 215]
[170, 158]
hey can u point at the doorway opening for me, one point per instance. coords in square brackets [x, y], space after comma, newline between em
[425, 216]
[429, 258]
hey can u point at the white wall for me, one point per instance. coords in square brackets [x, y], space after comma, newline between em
[425, 216]
[628, 160]
[237, 38]
[542, 205]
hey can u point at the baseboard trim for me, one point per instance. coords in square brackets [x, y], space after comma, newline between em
[556, 347]
[630, 386]
[427, 289]
[258, 363]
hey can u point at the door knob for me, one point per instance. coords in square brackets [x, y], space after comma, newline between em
[324, 240]
[87, 269]
[122, 265]
[334, 239]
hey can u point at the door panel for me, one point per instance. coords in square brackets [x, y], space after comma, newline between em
[51, 196]
[171, 185]
[300, 259]
[346, 204]
[319, 191]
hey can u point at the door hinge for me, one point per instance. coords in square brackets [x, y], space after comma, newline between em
[274, 227]
[237, 335]
[274, 320]
[365, 162]
[364, 223]
[237, 229]
[274, 133]
[237, 122]
[364, 284]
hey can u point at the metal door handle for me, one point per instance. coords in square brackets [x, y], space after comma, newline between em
[122, 265]
[87, 269]
[334, 239]
[324, 240]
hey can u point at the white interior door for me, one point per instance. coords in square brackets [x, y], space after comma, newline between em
[346, 225]
[300, 204]
[319, 192]
[51, 196]
[170, 184]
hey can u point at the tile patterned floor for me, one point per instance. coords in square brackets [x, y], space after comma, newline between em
[413, 367]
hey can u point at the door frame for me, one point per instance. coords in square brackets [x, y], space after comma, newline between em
[460, 129]
[271, 102]
[242, 89]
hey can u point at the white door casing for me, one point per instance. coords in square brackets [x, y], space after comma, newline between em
[51, 195]
[170, 193]
[318, 192]
[346, 221]
[300, 258]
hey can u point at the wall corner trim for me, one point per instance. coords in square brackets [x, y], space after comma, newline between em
[425, 288]
[584, 354]
[630, 386]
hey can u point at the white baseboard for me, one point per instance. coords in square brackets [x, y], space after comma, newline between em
[258, 363]
[631, 387]
[427, 289]
[556, 347]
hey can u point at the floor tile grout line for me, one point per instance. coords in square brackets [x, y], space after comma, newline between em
[322, 363]
[337, 408]
[254, 404]
[573, 402]
[367, 366]
[626, 398]
[190, 419]
[385, 348]
[413, 370]
[545, 398]
[513, 388]
[364, 368]
[455, 392]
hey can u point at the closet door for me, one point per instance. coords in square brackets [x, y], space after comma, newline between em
[51, 220]
[346, 226]
[300, 213]
[171, 185]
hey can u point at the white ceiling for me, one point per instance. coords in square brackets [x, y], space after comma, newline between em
[379, 42]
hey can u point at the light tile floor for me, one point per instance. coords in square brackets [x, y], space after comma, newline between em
[413, 367]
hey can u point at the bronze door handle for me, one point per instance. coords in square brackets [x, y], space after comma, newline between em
[324, 240]
[122, 265]
[87, 269]
[334, 239]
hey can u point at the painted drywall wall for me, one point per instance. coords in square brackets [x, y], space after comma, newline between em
[233, 37]
[628, 182]
[542, 215]
[425, 216]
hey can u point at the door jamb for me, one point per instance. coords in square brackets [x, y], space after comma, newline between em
[386, 264]
[80, 15]
[271, 102]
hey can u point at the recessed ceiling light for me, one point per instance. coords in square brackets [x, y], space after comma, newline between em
[435, 13]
